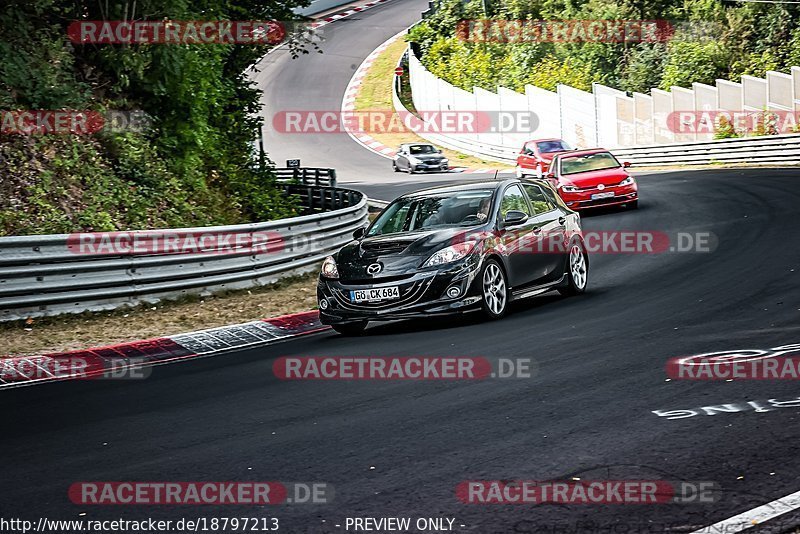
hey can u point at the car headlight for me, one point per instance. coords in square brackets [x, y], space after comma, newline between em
[445, 161]
[449, 254]
[569, 188]
[627, 181]
[329, 269]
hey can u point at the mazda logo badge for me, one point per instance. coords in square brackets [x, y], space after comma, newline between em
[374, 269]
[601, 187]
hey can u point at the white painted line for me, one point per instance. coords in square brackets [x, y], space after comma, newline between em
[754, 517]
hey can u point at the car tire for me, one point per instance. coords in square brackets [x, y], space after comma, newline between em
[350, 329]
[518, 172]
[394, 167]
[494, 290]
[633, 205]
[577, 270]
[539, 171]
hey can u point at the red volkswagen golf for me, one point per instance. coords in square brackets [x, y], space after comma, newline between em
[593, 178]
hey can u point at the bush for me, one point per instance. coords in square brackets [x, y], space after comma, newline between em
[711, 40]
[194, 166]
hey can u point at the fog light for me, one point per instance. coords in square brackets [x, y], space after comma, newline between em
[453, 292]
[323, 304]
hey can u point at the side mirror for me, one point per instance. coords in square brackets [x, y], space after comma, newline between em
[515, 217]
[626, 164]
[359, 233]
[439, 150]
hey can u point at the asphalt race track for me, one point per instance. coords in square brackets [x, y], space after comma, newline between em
[400, 448]
[316, 82]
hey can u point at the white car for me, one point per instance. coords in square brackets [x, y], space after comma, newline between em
[419, 157]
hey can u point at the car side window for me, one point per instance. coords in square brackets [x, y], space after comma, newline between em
[539, 202]
[513, 199]
[529, 148]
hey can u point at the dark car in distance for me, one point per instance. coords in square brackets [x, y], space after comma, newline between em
[452, 249]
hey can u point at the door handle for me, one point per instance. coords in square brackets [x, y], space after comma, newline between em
[537, 230]
[562, 220]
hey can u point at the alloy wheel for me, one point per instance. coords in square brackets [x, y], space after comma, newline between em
[494, 289]
[577, 265]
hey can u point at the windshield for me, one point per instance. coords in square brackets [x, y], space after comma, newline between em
[457, 208]
[591, 162]
[545, 147]
[421, 149]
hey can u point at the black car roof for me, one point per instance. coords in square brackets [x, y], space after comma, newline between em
[467, 186]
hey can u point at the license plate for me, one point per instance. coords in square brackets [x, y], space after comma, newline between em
[375, 295]
[598, 196]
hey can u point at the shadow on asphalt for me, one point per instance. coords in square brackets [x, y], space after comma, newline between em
[473, 318]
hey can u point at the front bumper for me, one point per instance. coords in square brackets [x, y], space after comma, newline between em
[583, 199]
[423, 167]
[422, 293]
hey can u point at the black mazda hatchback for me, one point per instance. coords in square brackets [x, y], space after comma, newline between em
[453, 249]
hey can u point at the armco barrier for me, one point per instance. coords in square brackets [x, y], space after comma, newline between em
[766, 150]
[52, 274]
[308, 176]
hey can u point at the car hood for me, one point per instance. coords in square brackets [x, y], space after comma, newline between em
[594, 178]
[398, 254]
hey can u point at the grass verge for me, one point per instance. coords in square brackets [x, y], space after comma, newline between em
[93, 329]
[375, 93]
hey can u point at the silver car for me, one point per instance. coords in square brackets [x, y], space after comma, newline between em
[419, 157]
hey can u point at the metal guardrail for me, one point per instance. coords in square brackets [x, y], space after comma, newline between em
[307, 176]
[53, 274]
[766, 150]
